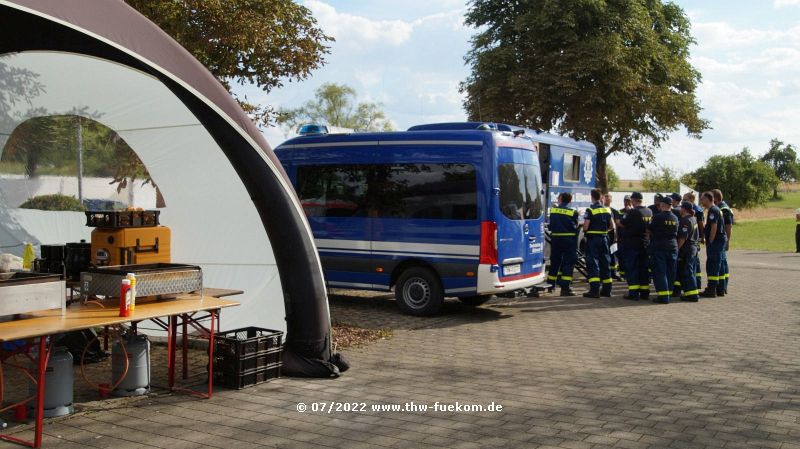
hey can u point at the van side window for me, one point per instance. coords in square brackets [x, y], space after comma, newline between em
[332, 191]
[572, 167]
[425, 191]
[411, 191]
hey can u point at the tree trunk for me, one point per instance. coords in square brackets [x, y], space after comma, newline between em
[601, 178]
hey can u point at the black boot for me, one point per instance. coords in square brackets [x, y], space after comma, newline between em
[709, 293]
[631, 296]
[566, 291]
[661, 300]
[606, 293]
[591, 294]
[690, 298]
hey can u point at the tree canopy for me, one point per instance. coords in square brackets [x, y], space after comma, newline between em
[661, 179]
[263, 42]
[783, 159]
[336, 105]
[616, 73]
[744, 180]
[612, 178]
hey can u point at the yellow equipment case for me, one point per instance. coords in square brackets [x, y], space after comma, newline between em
[128, 237]
[128, 246]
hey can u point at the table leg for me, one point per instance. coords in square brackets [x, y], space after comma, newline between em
[185, 346]
[44, 355]
[214, 314]
[171, 337]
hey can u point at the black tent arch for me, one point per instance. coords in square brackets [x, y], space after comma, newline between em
[27, 26]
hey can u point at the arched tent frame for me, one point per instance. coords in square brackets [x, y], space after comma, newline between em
[146, 71]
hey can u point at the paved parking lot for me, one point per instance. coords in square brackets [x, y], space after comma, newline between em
[569, 373]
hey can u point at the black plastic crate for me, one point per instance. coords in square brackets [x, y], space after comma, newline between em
[246, 342]
[122, 218]
[247, 378]
[229, 362]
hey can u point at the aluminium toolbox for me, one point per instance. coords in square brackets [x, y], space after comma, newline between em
[247, 356]
[23, 292]
[151, 280]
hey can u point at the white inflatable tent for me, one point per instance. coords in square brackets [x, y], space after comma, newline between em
[229, 204]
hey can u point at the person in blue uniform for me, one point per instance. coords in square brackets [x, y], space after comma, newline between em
[698, 215]
[715, 243]
[727, 223]
[688, 246]
[596, 224]
[634, 246]
[655, 208]
[614, 267]
[664, 250]
[676, 203]
[563, 244]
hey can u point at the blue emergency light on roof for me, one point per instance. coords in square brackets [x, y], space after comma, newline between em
[312, 129]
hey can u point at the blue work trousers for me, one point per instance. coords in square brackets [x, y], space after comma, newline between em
[714, 252]
[597, 263]
[635, 259]
[664, 268]
[563, 254]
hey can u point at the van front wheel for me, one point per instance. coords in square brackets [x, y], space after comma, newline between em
[419, 292]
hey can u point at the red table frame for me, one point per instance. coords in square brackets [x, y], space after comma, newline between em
[86, 320]
[44, 357]
[185, 320]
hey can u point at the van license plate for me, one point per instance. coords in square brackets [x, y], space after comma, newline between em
[512, 269]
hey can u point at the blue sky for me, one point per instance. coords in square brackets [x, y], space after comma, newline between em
[408, 55]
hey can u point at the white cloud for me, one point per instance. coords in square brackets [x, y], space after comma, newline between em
[782, 3]
[359, 29]
[347, 26]
[723, 34]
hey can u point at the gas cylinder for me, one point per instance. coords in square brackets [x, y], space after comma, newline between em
[137, 381]
[58, 384]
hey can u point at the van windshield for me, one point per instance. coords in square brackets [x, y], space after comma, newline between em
[520, 191]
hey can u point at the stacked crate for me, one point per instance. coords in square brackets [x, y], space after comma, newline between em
[247, 356]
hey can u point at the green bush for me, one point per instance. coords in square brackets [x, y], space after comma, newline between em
[53, 202]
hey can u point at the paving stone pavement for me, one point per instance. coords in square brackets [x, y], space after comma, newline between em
[569, 373]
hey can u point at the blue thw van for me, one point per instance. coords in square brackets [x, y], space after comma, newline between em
[428, 212]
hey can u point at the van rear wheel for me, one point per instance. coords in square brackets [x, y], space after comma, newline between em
[419, 292]
[475, 301]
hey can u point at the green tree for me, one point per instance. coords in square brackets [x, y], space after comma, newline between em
[661, 179]
[335, 105]
[263, 42]
[612, 178]
[783, 159]
[616, 73]
[744, 180]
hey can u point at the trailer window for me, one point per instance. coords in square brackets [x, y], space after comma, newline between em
[572, 167]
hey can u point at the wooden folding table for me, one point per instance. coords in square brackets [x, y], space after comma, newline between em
[39, 326]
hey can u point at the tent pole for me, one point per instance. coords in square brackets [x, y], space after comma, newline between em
[80, 161]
